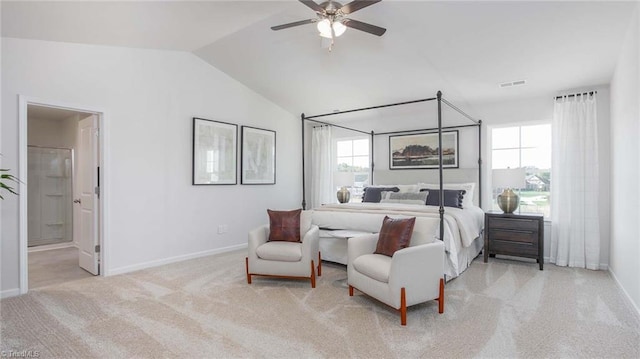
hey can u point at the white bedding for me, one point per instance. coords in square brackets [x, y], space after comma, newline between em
[462, 226]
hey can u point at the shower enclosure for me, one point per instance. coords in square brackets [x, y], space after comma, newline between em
[50, 193]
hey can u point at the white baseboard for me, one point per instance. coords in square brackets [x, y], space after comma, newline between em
[10, 293]
[626, 294]
[159, 262]
[48, 247]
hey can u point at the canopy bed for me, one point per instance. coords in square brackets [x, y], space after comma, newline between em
[459, 228]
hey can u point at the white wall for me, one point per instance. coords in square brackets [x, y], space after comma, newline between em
[45, 132]
[149, 98]
[625, 165]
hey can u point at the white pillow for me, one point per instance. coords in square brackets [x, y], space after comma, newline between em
[404, 197]
[468, 196]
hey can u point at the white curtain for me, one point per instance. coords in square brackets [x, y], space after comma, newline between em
[575, 234]
[321, 187]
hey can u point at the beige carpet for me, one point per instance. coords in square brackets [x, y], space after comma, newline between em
[55, 266]
[205, 308]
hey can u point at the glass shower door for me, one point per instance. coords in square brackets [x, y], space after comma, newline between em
[50, 193]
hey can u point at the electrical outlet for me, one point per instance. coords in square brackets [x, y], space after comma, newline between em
[223, 228]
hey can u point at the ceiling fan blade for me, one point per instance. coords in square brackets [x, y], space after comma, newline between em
[312, 4]
[363, 26]
[356, 5]
[292, 24]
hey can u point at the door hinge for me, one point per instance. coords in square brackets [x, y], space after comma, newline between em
[97, 248]
[97, 191]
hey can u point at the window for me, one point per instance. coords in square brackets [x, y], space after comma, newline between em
[527, 147]
[352, 166]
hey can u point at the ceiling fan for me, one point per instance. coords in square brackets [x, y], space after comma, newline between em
[332, 20]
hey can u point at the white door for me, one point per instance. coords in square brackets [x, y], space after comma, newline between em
[86, 201]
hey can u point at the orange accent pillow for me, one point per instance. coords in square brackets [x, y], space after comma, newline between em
[284, 225]
[395, 234]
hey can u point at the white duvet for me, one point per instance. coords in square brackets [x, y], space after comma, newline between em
[461, 226]
[467, 221]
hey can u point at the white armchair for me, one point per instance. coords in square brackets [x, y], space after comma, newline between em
[413, 275]
[282, 259]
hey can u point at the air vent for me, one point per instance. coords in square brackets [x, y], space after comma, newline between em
[512, 83]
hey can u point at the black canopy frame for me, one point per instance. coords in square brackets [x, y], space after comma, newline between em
[440, 100]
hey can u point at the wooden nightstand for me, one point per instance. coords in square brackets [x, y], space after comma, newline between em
[514, 235]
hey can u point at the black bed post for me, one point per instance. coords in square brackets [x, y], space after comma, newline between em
[372, 162]
[304, 202]
[480, 163]
[441, 210]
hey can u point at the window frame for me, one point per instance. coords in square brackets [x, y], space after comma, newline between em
[334, 161]
[490, 129]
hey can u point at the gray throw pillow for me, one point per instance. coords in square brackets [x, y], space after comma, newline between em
[374, 194]
[452, 197]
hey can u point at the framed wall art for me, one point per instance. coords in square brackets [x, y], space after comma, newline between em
[421, 151]
[258, 164]
[215, 152]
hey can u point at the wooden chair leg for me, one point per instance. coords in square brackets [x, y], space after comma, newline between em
[403, 307]
[319, 264]
[441, 297]
[350, 291]
[313, 275]
[246, 264]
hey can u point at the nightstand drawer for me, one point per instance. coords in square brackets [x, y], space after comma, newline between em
[510, 223]
[514, 235]
[514, 248]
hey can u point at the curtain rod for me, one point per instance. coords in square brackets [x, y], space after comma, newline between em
[577, 94]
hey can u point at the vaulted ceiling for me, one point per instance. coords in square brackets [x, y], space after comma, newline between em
[464, 49]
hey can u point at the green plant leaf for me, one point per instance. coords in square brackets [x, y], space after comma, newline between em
[7, 177]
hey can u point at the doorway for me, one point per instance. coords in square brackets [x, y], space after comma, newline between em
[61, 216]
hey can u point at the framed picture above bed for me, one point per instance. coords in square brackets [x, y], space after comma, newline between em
[258, 156]
[215, 152]
[421, 151]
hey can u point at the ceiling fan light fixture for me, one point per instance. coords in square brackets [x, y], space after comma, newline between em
[324, 27]
[339, 28]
